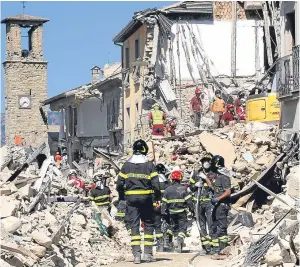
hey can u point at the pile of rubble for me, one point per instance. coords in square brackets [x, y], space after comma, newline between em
[248, 149]
[279, 219]
[39, 230]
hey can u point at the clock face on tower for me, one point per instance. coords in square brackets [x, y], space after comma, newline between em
[24, 101]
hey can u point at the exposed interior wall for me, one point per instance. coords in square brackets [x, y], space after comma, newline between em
[132, 95]
[290, 113]
[92, 118]
[215, 37]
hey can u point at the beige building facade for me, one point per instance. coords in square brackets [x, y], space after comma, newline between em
[25, 79]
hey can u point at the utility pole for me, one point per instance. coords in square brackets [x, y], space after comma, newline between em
[233, 40]
[267, 33]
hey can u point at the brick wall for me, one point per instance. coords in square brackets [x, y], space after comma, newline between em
[223, 11]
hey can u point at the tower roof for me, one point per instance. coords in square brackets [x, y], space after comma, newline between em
[24, 18]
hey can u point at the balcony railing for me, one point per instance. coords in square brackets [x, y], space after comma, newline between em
[287, 70]
[296, 64]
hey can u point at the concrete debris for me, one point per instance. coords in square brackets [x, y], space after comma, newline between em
[273, 256]
[80, 235]
[41, 238]
[66, 233]
[293, 185]
[11, 224]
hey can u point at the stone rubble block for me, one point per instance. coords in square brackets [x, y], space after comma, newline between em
[41, 238]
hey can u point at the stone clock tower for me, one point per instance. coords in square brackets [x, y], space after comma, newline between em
[25, 78]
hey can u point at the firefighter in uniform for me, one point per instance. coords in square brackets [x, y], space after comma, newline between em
[175, 203]
[221, 202]
[157, 120]
[138, 179]
[201, 184]
[101, 194]
[163, 184]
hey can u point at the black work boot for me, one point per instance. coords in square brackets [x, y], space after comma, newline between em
[137, 259]
[149, 258]
[178, 247]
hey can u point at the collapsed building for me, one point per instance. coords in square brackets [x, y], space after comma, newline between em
[167, 52]
[91, 114]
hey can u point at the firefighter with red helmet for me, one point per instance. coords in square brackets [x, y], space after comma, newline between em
[138, 180]
[228, 117]
[175, 203]
[195, 107]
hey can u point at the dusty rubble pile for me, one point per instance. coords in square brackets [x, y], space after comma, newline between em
[248, 150]
[27, 238]
[279, 219]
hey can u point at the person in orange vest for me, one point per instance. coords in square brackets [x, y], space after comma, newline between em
[58, 159]
[157, 120]
[217, 106]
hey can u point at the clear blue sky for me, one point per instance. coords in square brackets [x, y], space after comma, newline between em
[78, 36]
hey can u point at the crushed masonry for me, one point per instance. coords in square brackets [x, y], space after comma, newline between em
[38, 230]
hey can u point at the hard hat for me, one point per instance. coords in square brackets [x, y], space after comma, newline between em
[160, 168]
[176, 175]
[217, 162]
[72, 171]
[228, 106]
[57, 153]
[241, 94]
[207, 157]
[140, 146]
[197, 91]
[155, 105]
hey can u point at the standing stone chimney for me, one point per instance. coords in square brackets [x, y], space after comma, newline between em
[95, 74]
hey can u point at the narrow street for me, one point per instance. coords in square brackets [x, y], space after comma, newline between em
[175, 260]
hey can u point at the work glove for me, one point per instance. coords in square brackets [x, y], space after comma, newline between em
[214, 201]
[158, 205]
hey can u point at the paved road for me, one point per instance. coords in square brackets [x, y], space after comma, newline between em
[174, 260]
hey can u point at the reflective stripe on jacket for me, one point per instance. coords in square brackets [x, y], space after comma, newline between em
[176, 199]
[100, 196]
[158, 117]
[138, 179]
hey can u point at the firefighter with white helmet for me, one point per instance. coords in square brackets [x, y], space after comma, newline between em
[101, 194]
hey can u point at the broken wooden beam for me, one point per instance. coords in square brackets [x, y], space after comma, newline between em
[12, 247]
[183, 135]
[57, 234]
[101, 154]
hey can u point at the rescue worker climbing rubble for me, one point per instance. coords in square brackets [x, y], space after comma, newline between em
[163, 184]
[138, 179]
[217, 106]
[101, 194]
[200, 184]
[175, 203]
[221, 202]
[157, 119]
